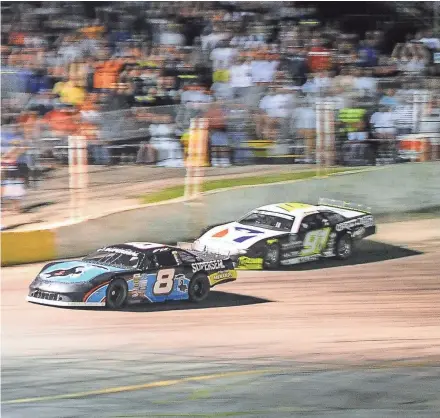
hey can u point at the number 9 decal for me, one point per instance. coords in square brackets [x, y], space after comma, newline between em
[164, 282]
[315, 241]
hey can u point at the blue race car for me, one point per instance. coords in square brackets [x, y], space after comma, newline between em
[116, 275]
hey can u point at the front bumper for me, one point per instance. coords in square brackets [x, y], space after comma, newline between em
[53, 298]
[33, 299]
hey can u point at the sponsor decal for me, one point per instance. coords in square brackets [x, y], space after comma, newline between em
[243, 238]
[120, 251]
[72, 272]
[365, 221]
[182, 283]
[271, 241]
[222, 275]
[207, 265]
[139, 285]
[136, 280]
[292, 245]
[290, 254]
[158, 250]
[221, 234]
[299, 260]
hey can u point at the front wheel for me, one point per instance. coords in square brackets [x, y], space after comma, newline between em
[272, 257]
[199, 288]
[344, 247]
[117, 293]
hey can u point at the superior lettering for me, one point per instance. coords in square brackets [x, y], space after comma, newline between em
[208, 265]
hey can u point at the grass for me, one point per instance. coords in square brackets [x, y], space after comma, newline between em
[175, 192]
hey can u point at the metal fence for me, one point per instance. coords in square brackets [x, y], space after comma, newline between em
[253, 135]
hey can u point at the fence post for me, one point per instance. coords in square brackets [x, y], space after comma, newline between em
[196, 160]
[78, 176]
[319, 135]
[197, 157]
[329, 138]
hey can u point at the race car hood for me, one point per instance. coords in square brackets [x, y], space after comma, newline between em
[75, 272]
[233, 237]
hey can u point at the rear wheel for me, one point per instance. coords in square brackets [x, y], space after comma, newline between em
[272, 257]
[117, 294]
[199, 288]
[344, 247]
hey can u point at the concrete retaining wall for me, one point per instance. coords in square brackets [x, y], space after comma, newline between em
[391, 189]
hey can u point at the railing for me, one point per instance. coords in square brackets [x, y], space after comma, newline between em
[253, 136]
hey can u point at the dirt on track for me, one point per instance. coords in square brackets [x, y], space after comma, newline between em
[342, 339]
[376, 309]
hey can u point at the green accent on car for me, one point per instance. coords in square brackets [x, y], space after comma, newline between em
[272, 241]
[220, 276]
[290, 207]
[245, 263]
[315, 241]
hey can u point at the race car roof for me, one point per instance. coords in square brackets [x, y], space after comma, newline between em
[142, 246]
[289, 208]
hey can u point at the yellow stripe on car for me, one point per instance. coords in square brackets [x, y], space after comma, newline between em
[289, 207]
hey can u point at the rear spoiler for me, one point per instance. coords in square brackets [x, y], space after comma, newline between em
[343, 205]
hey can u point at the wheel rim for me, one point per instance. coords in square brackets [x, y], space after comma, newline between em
[199, 289]
[344, 247]
[272, 255]
[116, 294]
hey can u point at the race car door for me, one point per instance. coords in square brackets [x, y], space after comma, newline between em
[314, 233]
[169, 269]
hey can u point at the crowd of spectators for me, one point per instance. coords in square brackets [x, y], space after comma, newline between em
[262, 64]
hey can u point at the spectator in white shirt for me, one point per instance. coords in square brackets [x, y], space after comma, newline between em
[383, 123]
[404, 116]
[195, 95]
[264, 68]
[275, 110]
[240, 75]
[365, 83]
[222, 56]
[304, 125]
[209, 42]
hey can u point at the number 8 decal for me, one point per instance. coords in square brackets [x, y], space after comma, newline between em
[164, 282]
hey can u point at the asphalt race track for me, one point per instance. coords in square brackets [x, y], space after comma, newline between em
[357, 339]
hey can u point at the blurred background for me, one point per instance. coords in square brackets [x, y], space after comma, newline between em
[128, 78]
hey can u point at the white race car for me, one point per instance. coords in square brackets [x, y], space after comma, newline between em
[285, 234]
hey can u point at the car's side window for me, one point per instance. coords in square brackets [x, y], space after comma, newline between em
[309, 223]
[148, 263]
[333, 217]
[186, 257]
[166, 259]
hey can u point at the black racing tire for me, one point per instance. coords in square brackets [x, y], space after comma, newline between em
[117, 294]
[199, 288]
[271, 258]
[344, 247]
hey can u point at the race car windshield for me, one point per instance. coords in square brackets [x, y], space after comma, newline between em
[268, 221]
[114, 258]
